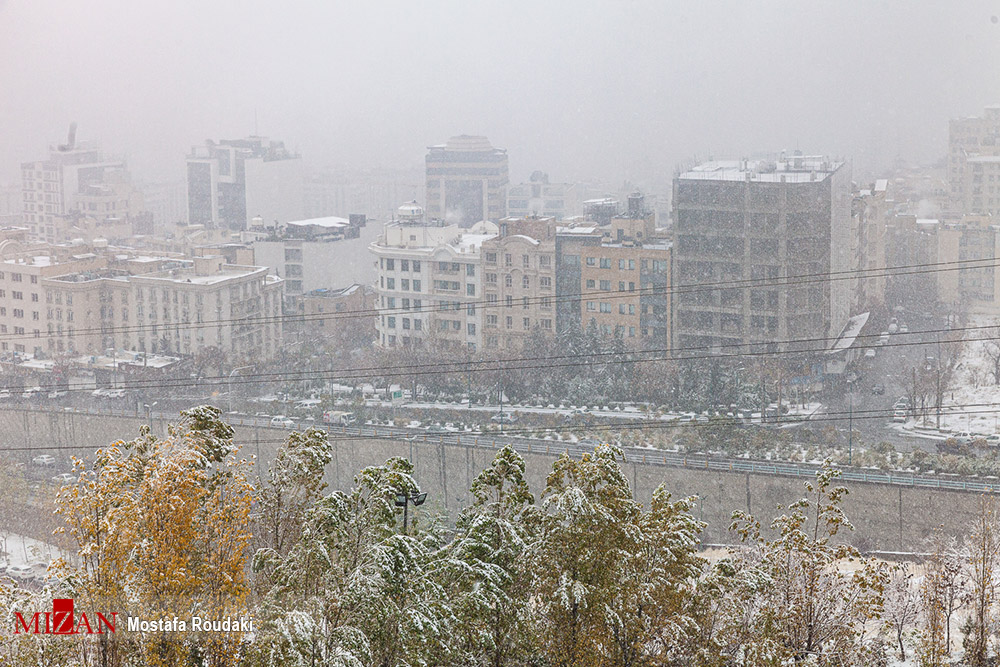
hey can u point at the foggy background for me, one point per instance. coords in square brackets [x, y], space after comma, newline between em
[606, 90]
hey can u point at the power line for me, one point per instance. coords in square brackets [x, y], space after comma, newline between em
[787, 281]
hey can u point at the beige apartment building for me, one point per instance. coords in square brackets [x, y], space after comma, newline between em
[27, 316]
[519, 282]
[625, 281]
[974, 163]
[869, 218]
[973, 288]
[173, 307]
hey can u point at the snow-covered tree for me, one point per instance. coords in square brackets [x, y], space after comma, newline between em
[790, 599]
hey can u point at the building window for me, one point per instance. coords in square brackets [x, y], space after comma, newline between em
[404, 284]
[508, 280]
[527, 323]
[491, 258]
[525, 261]
[417, 324]
[621, 286]
[416, 265]
[547, 324]
[491, 278]
[590, 284]
[470, 269]
[510, 322]
[605, 307]
[390, 265]
[605, 262]
[506, 259]
[525, 282]
[524, 302]
[471, 328]
[390, 322]
[390, 283]
[591, 306]
[404, 265]
[470, 290]
[606, 285]
[591, 261]
[406, 322]
[416, 285]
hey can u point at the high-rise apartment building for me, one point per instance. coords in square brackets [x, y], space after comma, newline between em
[430, 282]
[974, 163]
[467, 181]
[519, 282]
[750, 231]
[77, 181]
[235, 180]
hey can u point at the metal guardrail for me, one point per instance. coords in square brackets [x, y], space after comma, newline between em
[632, 454]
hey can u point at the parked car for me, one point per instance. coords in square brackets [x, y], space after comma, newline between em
[281, 421]
[4, 394]
[899, 416]
[870, 353]
[878, 389]
[57, 393]
[44, 460]
[31, 392]
[64, 478]
[883, 338]
[503, 418]
[904, 329]
[21, 572]
[993, 440]
[115, 393]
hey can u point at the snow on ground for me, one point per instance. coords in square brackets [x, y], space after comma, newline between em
[973, 385]
[27, 551]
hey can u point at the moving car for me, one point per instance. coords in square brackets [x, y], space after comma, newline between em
[503, 418]
[899, 416]
[870, 353]
[57, 393]
[44, 460]
[64, 478]
[31, 392]
[281, 421]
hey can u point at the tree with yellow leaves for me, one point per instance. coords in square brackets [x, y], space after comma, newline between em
[162, 530]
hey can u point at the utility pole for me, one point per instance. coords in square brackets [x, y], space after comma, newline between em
[939, 396]
[850, 423]
[500, 388]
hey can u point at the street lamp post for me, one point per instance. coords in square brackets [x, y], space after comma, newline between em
[850, 423]
[403, 500]
[230, 382]
[149, 413]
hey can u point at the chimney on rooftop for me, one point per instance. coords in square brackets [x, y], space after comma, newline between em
[209, 265]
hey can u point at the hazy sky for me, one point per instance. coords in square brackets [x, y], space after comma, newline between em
[580, 89]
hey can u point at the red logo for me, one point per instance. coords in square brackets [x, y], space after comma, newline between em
[62, 621]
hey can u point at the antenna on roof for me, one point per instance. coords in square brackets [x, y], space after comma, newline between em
[71, 140]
